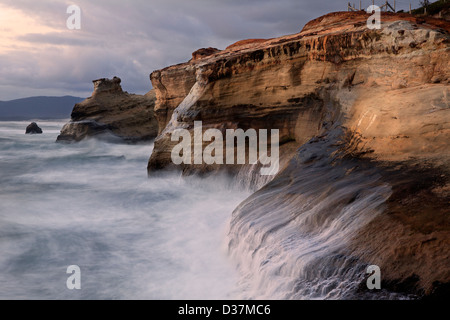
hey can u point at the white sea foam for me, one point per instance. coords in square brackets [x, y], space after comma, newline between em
[91, 204]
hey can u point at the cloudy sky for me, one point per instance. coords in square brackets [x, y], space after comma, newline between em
[39, 55]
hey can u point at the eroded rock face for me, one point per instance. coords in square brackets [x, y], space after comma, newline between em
[374, 78]
[104, 85]
[204, 52]
[111, 111]
[33, 128]
[370, 111]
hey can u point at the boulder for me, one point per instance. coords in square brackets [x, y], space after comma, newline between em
[33, 128]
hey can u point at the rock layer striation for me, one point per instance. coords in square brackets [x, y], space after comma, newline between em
[386, 83]
[373, 105]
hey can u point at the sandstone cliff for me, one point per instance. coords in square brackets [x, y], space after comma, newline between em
[284, 83]
[370, 111]
[112, 112]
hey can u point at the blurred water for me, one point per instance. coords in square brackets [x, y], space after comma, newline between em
[290, 239]
[91, 204]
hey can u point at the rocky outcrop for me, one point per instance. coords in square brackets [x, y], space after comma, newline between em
[369, 110]
[33, 128]
[111, 112]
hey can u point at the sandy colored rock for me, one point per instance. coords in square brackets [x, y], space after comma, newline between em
[112, 112]
[202, 53]
[371, 76]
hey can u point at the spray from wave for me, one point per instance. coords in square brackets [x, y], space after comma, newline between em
[289, 238]
[91, 204]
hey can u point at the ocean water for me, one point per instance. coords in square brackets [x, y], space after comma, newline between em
[91, 204]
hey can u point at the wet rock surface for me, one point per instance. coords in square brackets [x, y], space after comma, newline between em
[33, 128]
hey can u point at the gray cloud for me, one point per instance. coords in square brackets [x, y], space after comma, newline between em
[130, 39]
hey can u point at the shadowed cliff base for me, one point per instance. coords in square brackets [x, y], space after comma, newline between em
[413, 235]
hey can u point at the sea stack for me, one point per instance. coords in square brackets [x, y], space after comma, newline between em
[33, 128]
[111, 112]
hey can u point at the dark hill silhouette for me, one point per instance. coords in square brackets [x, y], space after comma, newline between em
[38, 108]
